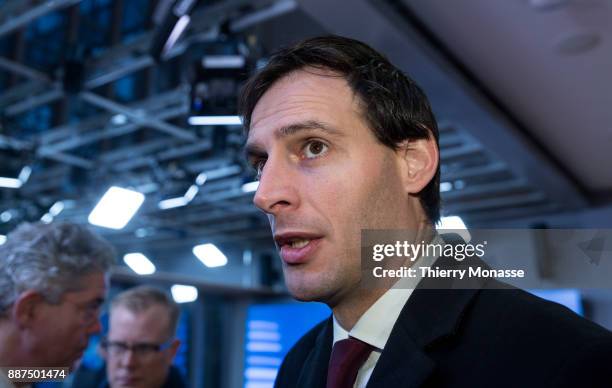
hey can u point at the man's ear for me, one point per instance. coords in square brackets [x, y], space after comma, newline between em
[26, 307]
[420, 159]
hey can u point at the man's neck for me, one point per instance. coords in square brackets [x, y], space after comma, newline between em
[10, 349]
[9, 357]
[351, 307]
[349, 311]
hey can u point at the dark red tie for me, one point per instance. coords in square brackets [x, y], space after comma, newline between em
[347, 357]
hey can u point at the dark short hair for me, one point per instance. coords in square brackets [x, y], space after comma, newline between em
[393, 105]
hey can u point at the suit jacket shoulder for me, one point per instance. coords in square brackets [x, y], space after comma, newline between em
[496, 336]
[545, 343]
[307, 360]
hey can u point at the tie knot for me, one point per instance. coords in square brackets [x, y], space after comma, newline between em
[347, 357]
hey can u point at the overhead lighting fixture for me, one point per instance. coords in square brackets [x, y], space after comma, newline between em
[54, 210]
[191, 192]
[10, 183]
[119, 119]
[456, 225]
[223, 62]
[189, 195]
[16, 183]
[215, 120]
[139, 263]
[171, 19]
[250, 187]
[2, 239]
[6, 216]
[24, 174]
[445, 186]
[177, 31]
[46, 218]
[201, 179]
[116, 208]
[210, 255]
[144, 232]
[184, 294]
[171, 203]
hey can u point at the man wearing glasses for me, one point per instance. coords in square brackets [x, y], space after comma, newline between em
[141, 345]
[52, 284]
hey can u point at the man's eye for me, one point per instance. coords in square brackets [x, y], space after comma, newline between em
[314, 149]
[258, 167]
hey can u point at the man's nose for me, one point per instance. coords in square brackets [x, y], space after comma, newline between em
[128, 358]
[278, 187]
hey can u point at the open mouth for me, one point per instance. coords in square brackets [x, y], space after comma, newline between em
[300, 243]
[297, 248]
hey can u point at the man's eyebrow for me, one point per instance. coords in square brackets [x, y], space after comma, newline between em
[253, 150]
[309, 125]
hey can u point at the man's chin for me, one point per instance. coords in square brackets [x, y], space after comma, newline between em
[301, 297]
[322, 285]
[308, 292]
[127, 383]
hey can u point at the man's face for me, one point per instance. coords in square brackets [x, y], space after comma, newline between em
[61, 331]
[139, 368]
[324, 177]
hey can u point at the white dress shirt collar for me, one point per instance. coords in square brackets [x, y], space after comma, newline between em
[375, 325]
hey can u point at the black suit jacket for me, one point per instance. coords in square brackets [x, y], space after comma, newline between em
[88, 378]
[490, 335]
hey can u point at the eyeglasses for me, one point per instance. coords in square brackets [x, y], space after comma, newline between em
[140, 349]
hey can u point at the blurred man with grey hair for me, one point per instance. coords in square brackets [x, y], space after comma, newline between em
[52, 285]
[141, 342]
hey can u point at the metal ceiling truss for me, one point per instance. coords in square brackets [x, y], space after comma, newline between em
[126, 142]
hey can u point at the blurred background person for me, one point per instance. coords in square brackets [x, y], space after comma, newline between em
[141, 342]
[52, 285]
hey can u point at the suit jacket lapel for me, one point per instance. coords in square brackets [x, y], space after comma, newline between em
[314, 372]
[402, 363]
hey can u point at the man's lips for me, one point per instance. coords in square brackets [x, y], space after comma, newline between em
[127, 380]
[297, 247]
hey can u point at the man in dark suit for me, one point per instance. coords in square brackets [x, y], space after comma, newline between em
[343, 141]
[141, 343]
